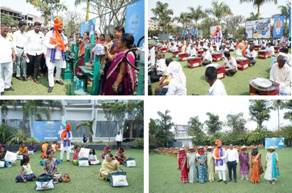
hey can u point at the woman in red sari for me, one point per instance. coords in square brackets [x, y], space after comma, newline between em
[182, 165]
[120, 78]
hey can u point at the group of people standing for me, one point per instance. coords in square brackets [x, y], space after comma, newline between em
[201, 166]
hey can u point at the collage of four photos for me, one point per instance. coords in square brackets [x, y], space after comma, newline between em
[145, 96]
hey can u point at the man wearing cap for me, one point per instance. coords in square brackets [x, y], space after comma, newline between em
[219, 155]
[33, 51]
[19, 38]
[7, 56]
[56, 43]
[66, 137]
[232, 160]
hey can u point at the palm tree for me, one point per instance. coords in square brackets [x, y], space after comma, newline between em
[285, 11]
[184, 19]
[78, 2]
[258, 3]
[163, 14]
[278, 105]
[197, 14]
[219, 10]
[253, 16]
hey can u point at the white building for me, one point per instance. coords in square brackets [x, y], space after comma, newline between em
[76, 111]
[181, 136]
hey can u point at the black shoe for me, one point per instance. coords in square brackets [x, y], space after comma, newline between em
[24, 79]
[50, 89]
[18, 78]
[60, 82]
[219, 181]
[9, 89]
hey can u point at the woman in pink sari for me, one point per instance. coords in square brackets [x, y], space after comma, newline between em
[182, 165]
[120, 78]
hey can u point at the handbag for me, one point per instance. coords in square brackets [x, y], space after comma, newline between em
[44, 182]
[118, 179]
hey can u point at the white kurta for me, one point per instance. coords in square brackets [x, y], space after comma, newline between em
[217, 89]
[283, 76]
[223, 157]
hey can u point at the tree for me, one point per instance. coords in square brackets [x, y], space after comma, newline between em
[219, 10]
[7, 20]
[159, 129]
[236, 122]
[163, 15]
[258, 3]
[278, 105]
[259, 112]
[106, 11]
[196, 131]
[288, 106]
[184, 19]
[48, 8]
[197, 14]
[252, 16]
[213, 123]
[72, 22]
[285, 11]
[232, 24]
[206, 24]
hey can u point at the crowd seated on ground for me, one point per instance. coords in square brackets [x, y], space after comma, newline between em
[237, 55]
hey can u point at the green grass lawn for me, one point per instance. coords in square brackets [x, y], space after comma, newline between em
[31, 88]
[235, 85]
[83, 179]
[165, 178]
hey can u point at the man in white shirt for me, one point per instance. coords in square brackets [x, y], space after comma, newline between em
[230, 64]
[19, 38]
[33, 50]
[119, 139]
[207, 56]
[232, 160]
[56, 43]
[251, 54]
[281, 73]
[216, 86]
[7, 56]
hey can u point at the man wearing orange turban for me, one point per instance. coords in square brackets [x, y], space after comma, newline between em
[219, 155]
[66, 137]
[56, 43]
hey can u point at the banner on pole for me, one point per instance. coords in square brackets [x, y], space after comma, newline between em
[276, 142]
[135, 20]
[258, 29]
[279, 26]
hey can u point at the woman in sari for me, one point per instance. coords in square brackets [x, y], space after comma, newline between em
[244, 163]
[51, 166]
[255, 166]
[120, 77]
[191, 157]
[182, 165]
[202, 165]
[109, 165]
[81, 53]
[210, 164]
[272, 165]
